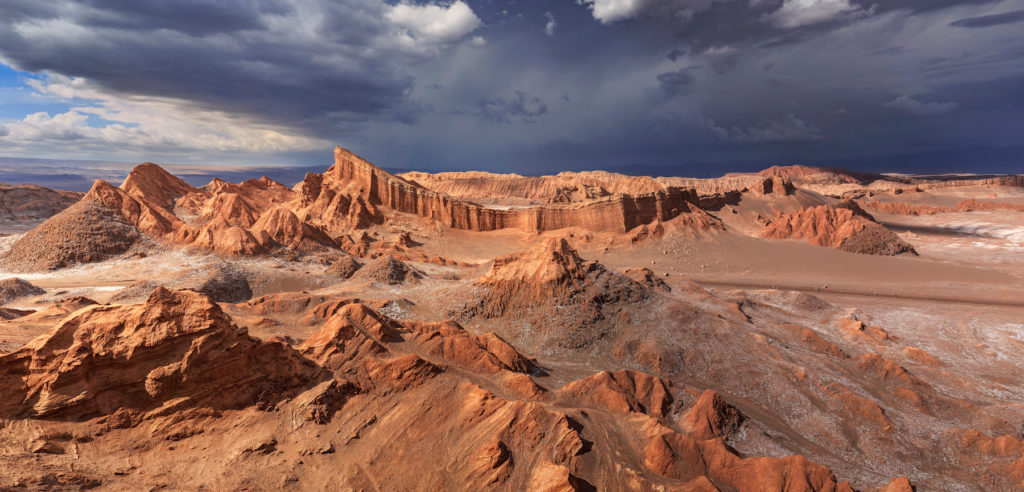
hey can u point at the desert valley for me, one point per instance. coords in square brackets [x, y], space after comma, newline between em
[795, 329]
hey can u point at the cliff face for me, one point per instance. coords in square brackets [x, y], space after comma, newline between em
[567, 187]
[1013, 181]
[352, 192]
[972, 205]
[561, 188]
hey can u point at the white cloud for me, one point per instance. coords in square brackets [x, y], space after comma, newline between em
[910, 105]
[796, 13]
[610, 11]
[551, 25]
[435, 24]
[788, 129]
[137, 125]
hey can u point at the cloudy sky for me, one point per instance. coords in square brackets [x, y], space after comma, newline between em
[694, 87]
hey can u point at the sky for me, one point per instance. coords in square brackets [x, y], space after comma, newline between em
[663, 87]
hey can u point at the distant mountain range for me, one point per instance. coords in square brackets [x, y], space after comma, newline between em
[79, 175]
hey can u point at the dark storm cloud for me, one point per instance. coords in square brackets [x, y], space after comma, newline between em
[681, 86]
[331, 64]
[920, 5]
[787, 129]
[991, 20]
[675, 79]
[521, 108]
[675, 82]
[194, 17]
[911, 105]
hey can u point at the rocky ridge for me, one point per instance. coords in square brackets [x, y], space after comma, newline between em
[178, 369]
[32, 202]
[323, 213]
[569, 187]
[844, 226]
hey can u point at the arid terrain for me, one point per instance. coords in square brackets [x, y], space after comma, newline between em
[797, 329]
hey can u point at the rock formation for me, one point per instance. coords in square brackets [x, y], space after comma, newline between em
[32, 203]
[325, 211]
[284, 227]
[14, 288]
[86, 232]
[344, 267]
[221, 283]
[622, 392]
[552, 290]
[844, 226]
[387, 270]
[820, 175]
[154, 184]
[353, 192]
[369, 398]
[569, 187]
[178, 346]
[972, 205]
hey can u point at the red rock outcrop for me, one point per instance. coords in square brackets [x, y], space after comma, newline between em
[108, 220]
[902, 208]
[622, 392]
[674, 455]
[156, 185]
[402, 395]
[356, 332]
[646, 277]
[178, 346]
[146, 216]
[324, 210]
[352, 192]
[221, 237]
[820, 175]
[284, 227]
[698, 455]
[569, 187]
[231, 208]
[844, 227]
[900, 484]
[1001, 457]
[710, 418]
[952, 181]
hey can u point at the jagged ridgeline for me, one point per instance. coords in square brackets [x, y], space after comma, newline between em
[323, 212]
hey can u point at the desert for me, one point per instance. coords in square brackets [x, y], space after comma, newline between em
[512, 245]
[781, 330]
